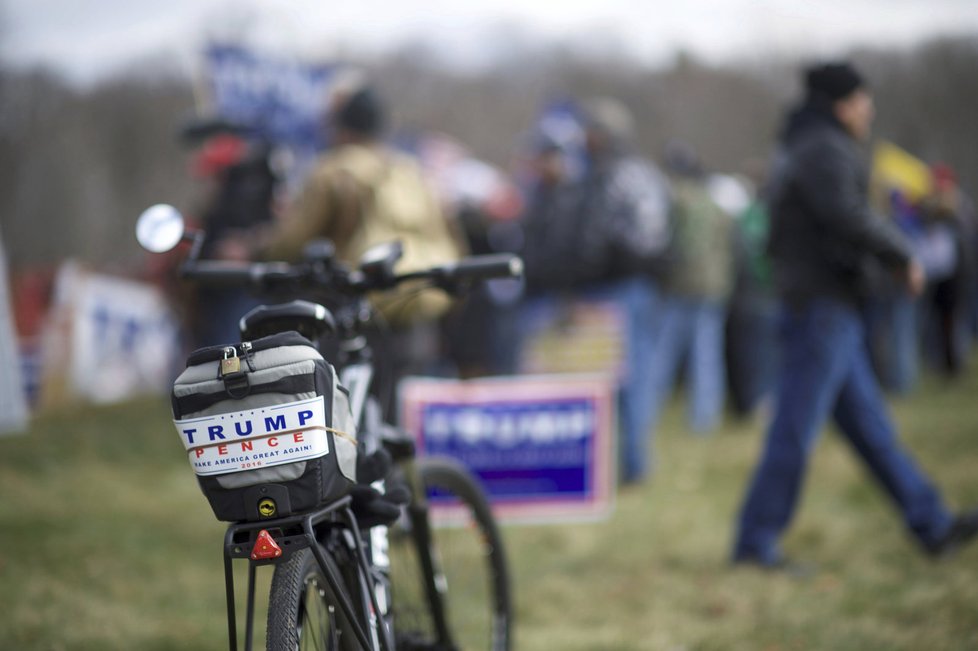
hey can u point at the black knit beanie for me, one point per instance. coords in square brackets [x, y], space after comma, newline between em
[361, 113]
[832, 81]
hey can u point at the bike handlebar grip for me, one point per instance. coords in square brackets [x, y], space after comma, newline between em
[232, 274]
[483, 267]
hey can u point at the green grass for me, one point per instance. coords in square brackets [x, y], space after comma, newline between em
[106, 543]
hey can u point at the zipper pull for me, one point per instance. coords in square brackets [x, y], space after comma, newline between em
[246, 350]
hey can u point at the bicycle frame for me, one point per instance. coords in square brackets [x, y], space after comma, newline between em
[335, 525]
[376, 272]
[356, 376]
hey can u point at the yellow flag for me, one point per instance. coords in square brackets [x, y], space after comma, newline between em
[896, 169]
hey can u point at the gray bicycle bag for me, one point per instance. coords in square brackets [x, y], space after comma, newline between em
[267, 427]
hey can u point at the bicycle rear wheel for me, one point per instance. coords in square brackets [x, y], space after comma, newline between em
[302, 613]
[450, 584]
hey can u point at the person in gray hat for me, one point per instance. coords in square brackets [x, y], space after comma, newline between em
[626, 198]
[624, 234]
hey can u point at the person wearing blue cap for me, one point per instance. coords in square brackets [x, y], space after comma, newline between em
[827, 248]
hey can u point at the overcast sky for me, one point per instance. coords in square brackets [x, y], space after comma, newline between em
[89, 38]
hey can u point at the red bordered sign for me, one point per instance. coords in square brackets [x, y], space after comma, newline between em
[542, 446]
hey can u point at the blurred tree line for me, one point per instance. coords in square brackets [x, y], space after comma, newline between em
[80, 165]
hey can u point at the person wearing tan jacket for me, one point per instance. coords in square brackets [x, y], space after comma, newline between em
[361, 193]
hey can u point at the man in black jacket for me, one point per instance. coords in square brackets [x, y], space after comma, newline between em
[827, 247]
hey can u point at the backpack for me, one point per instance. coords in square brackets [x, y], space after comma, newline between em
[701, 253]
[624, 226]
[398, 205]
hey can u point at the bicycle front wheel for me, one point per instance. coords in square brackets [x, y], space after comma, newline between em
[302, 613]
[450, 583]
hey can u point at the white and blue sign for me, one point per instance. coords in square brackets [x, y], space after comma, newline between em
[123, 339]
[256, 438]
[13, 399]
[283, 101]
[541, 446]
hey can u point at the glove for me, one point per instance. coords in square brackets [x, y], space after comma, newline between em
[373, 466]
[373, 508]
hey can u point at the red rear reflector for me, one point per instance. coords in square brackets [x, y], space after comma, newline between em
[265, 547]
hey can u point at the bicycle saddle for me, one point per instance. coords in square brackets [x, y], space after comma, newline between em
[311, 320]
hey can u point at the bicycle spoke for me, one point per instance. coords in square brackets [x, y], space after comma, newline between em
[302, 615]
[470, 568]
[321, 619]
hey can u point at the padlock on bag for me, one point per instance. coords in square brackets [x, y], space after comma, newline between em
[231, 362]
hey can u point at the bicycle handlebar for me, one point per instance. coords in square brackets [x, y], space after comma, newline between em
[481, 267]
[232, 274]
[331, 276]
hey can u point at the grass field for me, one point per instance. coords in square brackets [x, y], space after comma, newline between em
[106, 543]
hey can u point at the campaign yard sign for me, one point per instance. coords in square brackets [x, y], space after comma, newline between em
[542, 446]
[109, 339]
[13, 400]
[284, 100]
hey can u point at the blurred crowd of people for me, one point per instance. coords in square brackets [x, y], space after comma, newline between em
[686, 252]
[782, 286]
[938, 327]
[681, 250]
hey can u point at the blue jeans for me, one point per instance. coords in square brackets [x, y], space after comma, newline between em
[638, 299]
[219, 311]
[636, 412]
[752, 349]
[893, 340]
[690, 330]
[826, 371]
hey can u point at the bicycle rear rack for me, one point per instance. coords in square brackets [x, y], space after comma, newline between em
[238, 541]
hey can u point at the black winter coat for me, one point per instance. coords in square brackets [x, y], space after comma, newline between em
[550, 247]
[825, 241]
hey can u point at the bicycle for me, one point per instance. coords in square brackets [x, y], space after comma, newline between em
[339, 582]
